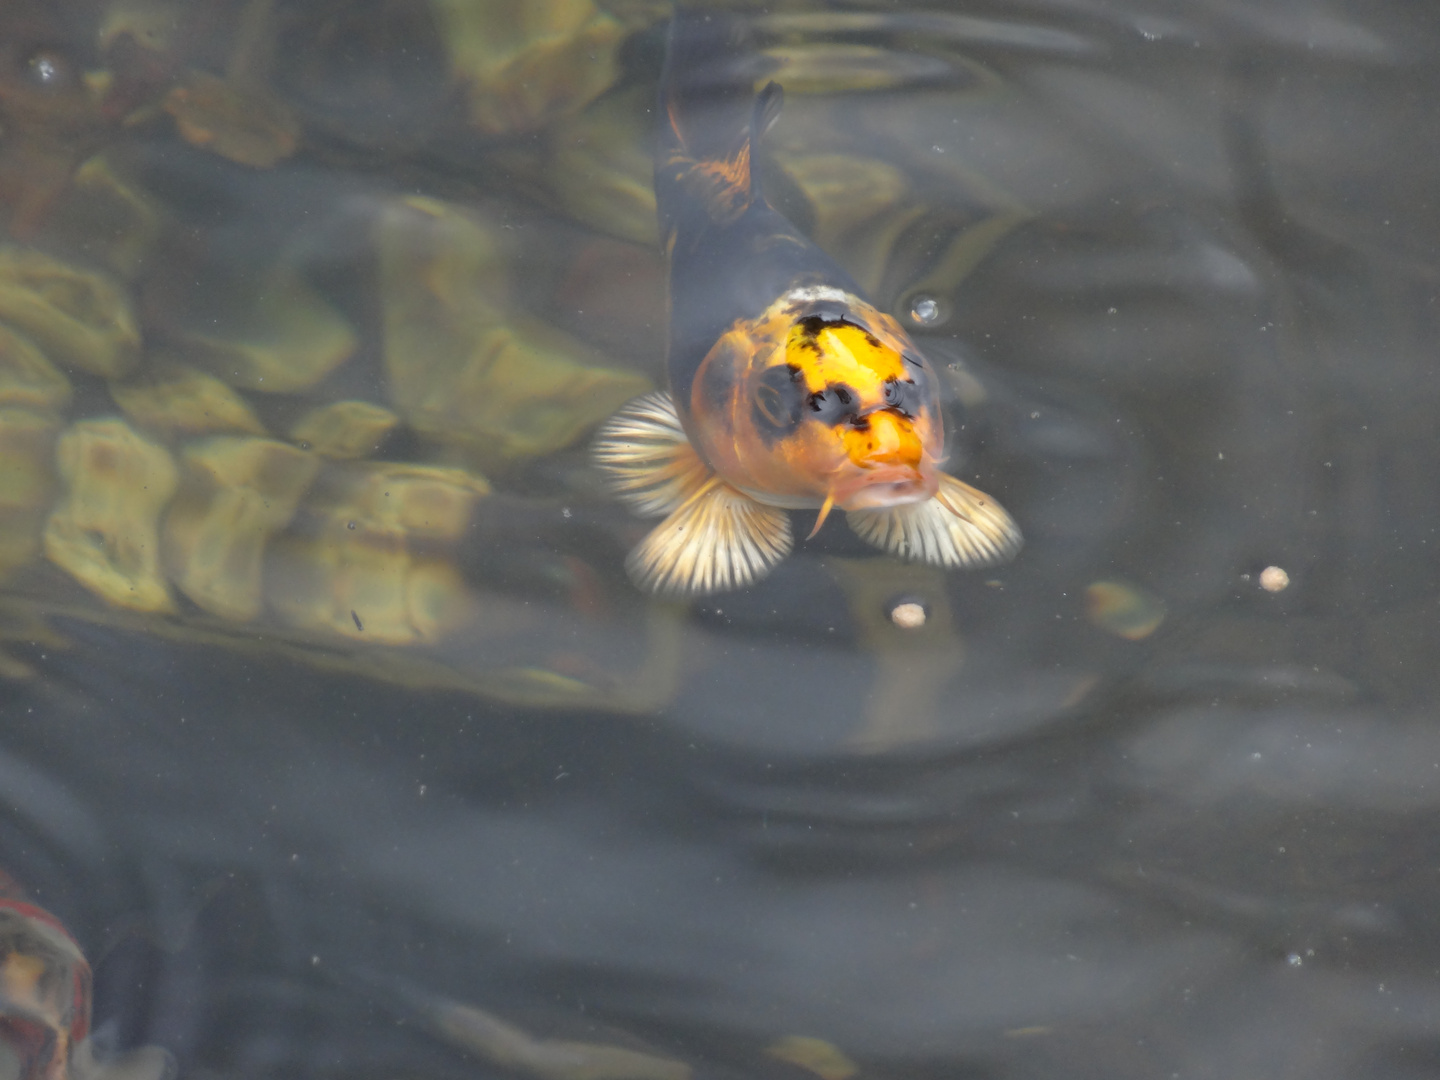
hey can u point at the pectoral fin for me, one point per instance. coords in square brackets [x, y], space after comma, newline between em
[717, 539]
[645, 453]
[958, 526]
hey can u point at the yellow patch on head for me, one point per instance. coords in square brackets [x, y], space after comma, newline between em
[842, 352]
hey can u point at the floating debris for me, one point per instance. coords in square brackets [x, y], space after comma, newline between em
[908, 614]
[1124, 610]
[1274, 579]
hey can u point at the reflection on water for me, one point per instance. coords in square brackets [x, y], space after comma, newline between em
[338, 740]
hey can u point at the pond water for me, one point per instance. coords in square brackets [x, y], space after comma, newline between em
[362, 789]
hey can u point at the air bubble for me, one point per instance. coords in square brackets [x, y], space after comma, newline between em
[48, 69]
[925, 310]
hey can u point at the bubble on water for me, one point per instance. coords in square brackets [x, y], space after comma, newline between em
[1294, 959]
[925, 310]
[48, 69]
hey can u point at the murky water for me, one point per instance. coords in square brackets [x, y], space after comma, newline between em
[1114, 810]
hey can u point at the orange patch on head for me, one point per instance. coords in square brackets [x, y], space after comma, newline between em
[884, 438]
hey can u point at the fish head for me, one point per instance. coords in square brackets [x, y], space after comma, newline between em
[821, 403]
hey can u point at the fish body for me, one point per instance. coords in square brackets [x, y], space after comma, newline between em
[788, 388]
[44, 990]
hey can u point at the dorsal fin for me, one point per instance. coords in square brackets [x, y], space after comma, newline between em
[768, 104]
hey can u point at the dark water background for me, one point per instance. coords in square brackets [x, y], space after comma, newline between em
[1015, 845]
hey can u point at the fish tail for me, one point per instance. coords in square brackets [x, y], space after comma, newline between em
[712, 117]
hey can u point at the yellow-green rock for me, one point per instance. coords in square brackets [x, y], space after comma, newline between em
[79, 317]
[27, 482]
[344, 429]
[600, 166]
[1124, 610]
[464, 366]
[525, 62]
[105, 530]
[244, 124]
[367, 560]
[186, 401]
[27, 378]
[281, 338]
[116, 221]
[855, 207]
[236, 493]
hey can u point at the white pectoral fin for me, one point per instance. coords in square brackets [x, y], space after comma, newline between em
[958, 526]
[647, 457]
[717, 539]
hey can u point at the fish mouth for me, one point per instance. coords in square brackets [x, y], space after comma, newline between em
[888, 485]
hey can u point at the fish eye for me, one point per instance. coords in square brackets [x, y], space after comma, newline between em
[903, 395]
[778, 400]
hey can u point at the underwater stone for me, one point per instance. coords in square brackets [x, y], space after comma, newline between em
[600, 166]
[105, 531]
[284, 337]
[186, 401]
[109, 217]
[463, 366]
[526, 62]
[344, 429]
[365, 560]
[248, 126]
[78, 317]
[27, 378]
[235, 495]
[27, 482]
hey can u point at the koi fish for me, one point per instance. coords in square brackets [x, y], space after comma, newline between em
[45, 987]
[788, 388]
[44, 990]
